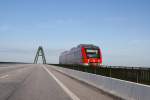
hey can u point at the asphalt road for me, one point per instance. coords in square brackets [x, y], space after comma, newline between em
[41, 82]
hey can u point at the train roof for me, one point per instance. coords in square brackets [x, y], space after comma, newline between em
[64, 52]
[80, 46]
[87, 46]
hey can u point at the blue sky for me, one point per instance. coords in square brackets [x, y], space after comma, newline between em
[119, 27]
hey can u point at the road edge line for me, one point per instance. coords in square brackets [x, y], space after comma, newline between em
[109, 93]
[71, 94]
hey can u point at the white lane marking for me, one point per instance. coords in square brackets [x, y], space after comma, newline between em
[5, 76]
[71, 94]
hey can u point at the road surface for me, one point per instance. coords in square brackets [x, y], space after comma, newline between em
[42, 82]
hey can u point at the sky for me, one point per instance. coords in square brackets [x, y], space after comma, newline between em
[121, 28]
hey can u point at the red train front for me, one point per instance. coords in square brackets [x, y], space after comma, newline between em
[91, 55]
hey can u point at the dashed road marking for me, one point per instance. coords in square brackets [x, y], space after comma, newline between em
[71, 94]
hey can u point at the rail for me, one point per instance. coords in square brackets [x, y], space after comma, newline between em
[133, 74]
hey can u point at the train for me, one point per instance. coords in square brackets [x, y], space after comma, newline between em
[83, 54]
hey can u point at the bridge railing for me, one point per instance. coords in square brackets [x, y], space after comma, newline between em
[125, 90]
[133, 74]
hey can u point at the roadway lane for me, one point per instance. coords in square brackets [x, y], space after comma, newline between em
[10, 67]
[11, 79]
[81, 90]
[41, 82]
[39, 86]
[30, 83]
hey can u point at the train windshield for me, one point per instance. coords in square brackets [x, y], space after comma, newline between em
[92, 53]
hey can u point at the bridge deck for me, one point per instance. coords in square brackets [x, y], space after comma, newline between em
[38, 82]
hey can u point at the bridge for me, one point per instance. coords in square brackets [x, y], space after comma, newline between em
[50, 82]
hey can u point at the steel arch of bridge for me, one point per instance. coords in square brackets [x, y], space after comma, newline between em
[40, 52]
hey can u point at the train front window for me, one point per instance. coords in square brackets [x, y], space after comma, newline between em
[92, 53]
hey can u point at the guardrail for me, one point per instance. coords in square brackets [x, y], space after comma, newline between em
[120, 88]
[133, 74]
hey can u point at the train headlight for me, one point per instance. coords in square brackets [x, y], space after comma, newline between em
[93, 60]
[88, 60]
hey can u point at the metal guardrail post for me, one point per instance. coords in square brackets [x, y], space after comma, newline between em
[137, 76]
[95, 70]
[110, 72]
[149, 75]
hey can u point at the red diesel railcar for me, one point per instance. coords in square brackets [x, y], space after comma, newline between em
[83, 54]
